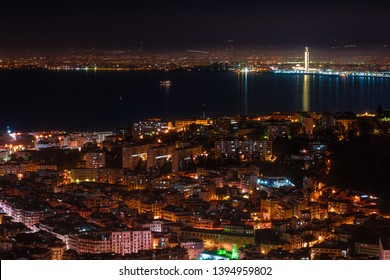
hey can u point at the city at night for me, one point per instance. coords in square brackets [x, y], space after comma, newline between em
[195, 131]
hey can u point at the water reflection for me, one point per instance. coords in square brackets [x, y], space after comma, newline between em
[166, 90]
[306, 93]
[245, 93]
[242, 93]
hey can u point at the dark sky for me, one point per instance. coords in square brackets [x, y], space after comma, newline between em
[169, 24]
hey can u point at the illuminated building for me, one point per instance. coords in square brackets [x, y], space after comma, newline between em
[72, 141]
[244, 170]
[184, 154]
[238, 229]
[271, 209]
[134, 182]
[100, 136]
[134, 154]
[314, 208]
[367, 248]
[295, 240]
[154, 226]
[111, 176]
[345, 123]
[24, 211]
[95, 160]
[157, 156]
[248, 182]
[275, 131]
[38, 167]
[221, 254]
[22, 168]
[222, 125]
[108, 175]
[15, 168]
[155, 207]
[307, 121]
[307, 59]
[247, 148]
[217, 238]
[384, 248]
[327, 120]
[84, 174]
[278, 116]
[368, 209]
[185, 186]
[30, 217]
[339, 206]
[161, 241]
[95, 243]
[203, 222]
[150, 127]
[96, 201]
[78, 139]
[161, 183]
[194, 247]
[332, 251]
[131, 241]
[49, 143]
[176, 253]
[4, 154]
[274, 182]
[176, 214]
[183, 124]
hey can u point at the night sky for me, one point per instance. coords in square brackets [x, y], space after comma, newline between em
[172, 25]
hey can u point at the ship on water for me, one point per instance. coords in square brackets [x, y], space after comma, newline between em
[165, 83]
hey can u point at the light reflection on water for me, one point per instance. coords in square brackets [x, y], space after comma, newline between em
[306, 93]
[108, 99]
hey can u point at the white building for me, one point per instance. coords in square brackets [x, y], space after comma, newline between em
[384, 248]
[131, 241]
[154, 226]
[194, 247]
[78, 139]
[244, 147]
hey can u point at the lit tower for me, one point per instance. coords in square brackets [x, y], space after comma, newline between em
[307, 59]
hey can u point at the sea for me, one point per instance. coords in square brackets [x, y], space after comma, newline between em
[106, 100]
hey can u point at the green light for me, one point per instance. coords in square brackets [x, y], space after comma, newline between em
[221, 252]
[235, 252]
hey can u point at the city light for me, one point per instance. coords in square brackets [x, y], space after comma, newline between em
[137, 148]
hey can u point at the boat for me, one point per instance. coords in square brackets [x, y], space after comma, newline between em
[165, 83]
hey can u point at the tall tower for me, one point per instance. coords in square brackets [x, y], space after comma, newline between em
[307, 59]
